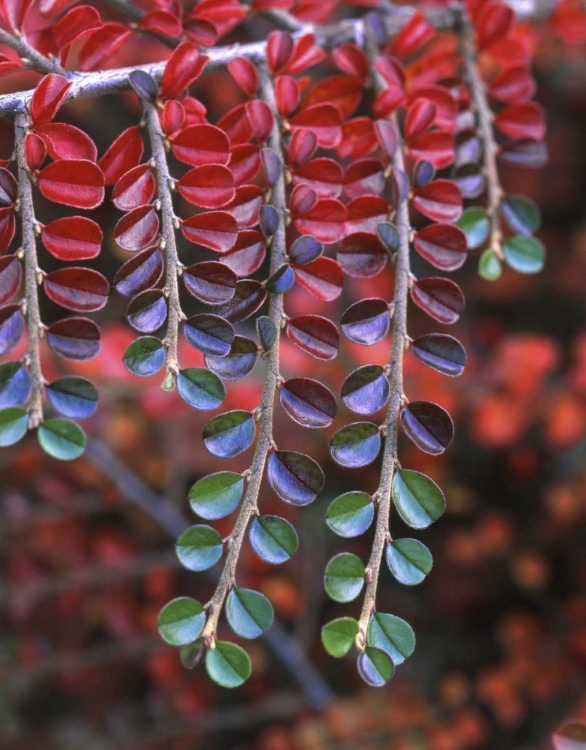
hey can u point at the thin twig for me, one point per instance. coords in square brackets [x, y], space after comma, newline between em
[134, 13]
[168, 244]
[265, 439]
[30, 56]
[32, 274]
[489, 146]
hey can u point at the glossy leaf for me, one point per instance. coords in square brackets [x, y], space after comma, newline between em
[48, 96]
[362, 255]
[209, 333]
[227, 664]
[338, 636]
[267, 332]
[294, 477]
[322, 277]
[229, 434]
[61, 439]
[282, 280]
[238, 362]
[344, 577]
[249, 295]
[72, 182]
[409, 560]
[144, 85]
[273, 539]
[248, 612]
[418, 499]
[73, 397]
[440, 200]
[315, 335]
[15, 384]
[428, 425]
[216, 495]
[147, 311]
[489, 266]
[216, 230]
[392, 635]
[139, 273]
[10, 277]
[134, 188]
[524, 254]
[200, 145]
[440, 352]
[245, 74]
[199, 547]
[74, 338]
[356, 445]
[181, 621]
[305, 249]
[366, 390]
[210, 282]
[366, 322]
[72, 238]
[145, 356]
[12, 327]
[440, 298]
[375, 667]
[200, 389]
[137, 229]
[308, 402]
[13, 425]
[247, 255]
[122, 155]
[183, 67]
[350, 514]
[208, 186]
[79, 289]
[65, 141]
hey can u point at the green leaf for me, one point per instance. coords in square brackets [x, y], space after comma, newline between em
[216, 495]
[338, 636]
[350, 514]
[475, 225]
[489, 266]
[524, 254]
[344, 577]
[145, 356]
[62, 439]
[199, 547]
[391, 634]
[181, 621]
[409, 560]
[248, 612]
[227, 664]
[418, 499]
[375, 667]
[273, 539]
[13, 425]
[521, 214]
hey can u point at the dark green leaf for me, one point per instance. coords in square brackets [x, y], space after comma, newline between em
[524, 254]
[181, 621]
[338, 636]
[13, 425]
[227, 664]
[489, 266]
[200, 389]
[391, 634]
[475, 225]
[375, 667]
[344, 577]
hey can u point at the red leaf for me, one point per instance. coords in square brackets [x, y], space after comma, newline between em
[161, 22]
[67, 142]
[172, 116]
[343, 92]
[303, 199]
[436, 147]
[440, 200]
[387, 137]
[10, 277]
[8, 188]
[73, 182]
[236, 125]
[138, 229]
[74, 338]
[216, 230]
[420, 117]
[201, 144]
[513, 85]
[48, 97]
[102, 44]
[247, 255]
[305, 54]
[325, 221]
[362, 255]
[442, 245]
[125, 153]
[315, 335]
[302, 146]
[14, 12]
[135, 188]
[365, 213]
[492, 22]
[209, 186]
[446, 108]
[322, 277]
[245, 205]
[244, 73]
[79, 289]
[365, 176]
[351, 60]
[260, 117]
[325, 176]
[72, 238]
[244, 163]
[35, 151]
[358, 139]
[388, 101]
[414, 34]
[324, 120]
[522, 120]
[287, 94]
[223, 14]
[391, 71]
[200, 31]
[182, 68]
[7, 228]
[440, 298]
[279, 50]
[74, 24]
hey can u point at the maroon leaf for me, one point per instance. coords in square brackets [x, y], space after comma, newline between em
[440, 200]
[303, 199]
[420, 117]
[236, 125]
[525, 153]
[308, 402]
[48, 97]
[8, 187]
[137, 229]
[35, 151]
[387, 137]
[260, 117]
[101, 44]
[442, 245]
[362, 255]
[72, 238]
[325, 221]
[302, 146]
[216, 230]
[414, 34]
[210, 186]
[364, 177]
[7, 228]
[287, 95]
[139, 273]
[123, 154]
[135, 188]
[358, 138]
[182, 68]
[322, 277]
[365, 213]
[436, 147]
[244, 163]
[210, 282]
[428, 425]
[73, 182]
[446, 108]
[10, 277]
[172, 116]
[161, 22]
[279, 50]
[343, 92]
[325, 176]
[441, 299]
[79, 289]
[201, 144]
[314, 334]
[67, 142]
[248, 297]
[247, 255]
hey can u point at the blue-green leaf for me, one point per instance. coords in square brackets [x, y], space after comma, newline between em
[248, 612]
[391, 634]
[74, 397]
[418, 499]
[61, 439]
[350, 514]
[344, 577]
[145, 356]
[199, 547]
[227, 664]
[338, 636]
[375, 667]
[273, 539]
[216, 495]
[524, 254]
[13, 425]
[181, 621]
[475, 225]
[409, 560]
[200, 388]
[229, 434]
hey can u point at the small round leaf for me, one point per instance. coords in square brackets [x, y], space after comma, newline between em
[145, 356]
[74, 397]
[229, 434]
[248, 612]
[199, 547]
[62, 439]
[356, 445]
[295, 477]
[418, 499]
[228, 665]
[13, 425]
[216, 495]
[391, 634]
[181, 621]
[375, 667]
[409, 560]
[338, 636]
[273, 539]
[524, 254]
[344, 577]
[350, 514]
[200, 388]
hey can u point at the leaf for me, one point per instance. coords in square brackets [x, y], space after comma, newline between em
[143, 84]
[267, 332]
[440, 200]
[216, 495]
[74, 338]
[442, 353]
[200, 145]
[305, 249]
[74, 24]
[48, 96]
[475, 225]
[199, 547]
[101, 44]
[428, 425]
[248, 613]
[375, 667]
[8, 186]
[10, 277]
[442, 245]
[302, 146]
[200, 389]
[183, 67]
[181, 621]
[12, 326]
[418, 499]
[269, 220]
[216, 230]
[65, 141]
[338, 636]
[244, 73]
[139, 273]
[392, 635]
[524, 254]
[350, 514]
[389, 236]
[356, 445]
[134, 188]
[192, 654]
[570, 736]
[238, 362]
[247, 254]
[227, 664]
[77, 288]
[282, 280]
[137, 229]
[73, 397]
[147, 311]
[362, 255]
[521, 214]
[315, 335]
[409, 560]
[366, 322]
[325, 176]
[210, 282]
[416, 32]
[344, 577]
[13, 425]
[489, 266]
[229, 434]
[61, 439]
[324, 120]
[440, 298]
[295, 477]
[145, 356]
[122, 155]
[522, 120]
[7, 228]
[272, 165]
[308, 402]
[249, 295]
[211, 334]
[513, 84]
[322, 277]
[72, 238]
[209, 186]
[72, 182]
[15, 384]
[524, 153]
[273, 539]
[366, 390]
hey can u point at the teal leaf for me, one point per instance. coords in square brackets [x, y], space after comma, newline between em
[216, 495]
[475, 225]
[181, 621]
[392, 635]
[200, 388]
[338, 636]
[273, 539]
[375, 667]
[409, 560]
[13, 425]
[489, 266]
[344, 577]
[248, 612]
[350, 514]
[418, 499]
[524, 254]
[61, 439]
[521, 214]
[199, 547]
[227, 664]
[144, 357]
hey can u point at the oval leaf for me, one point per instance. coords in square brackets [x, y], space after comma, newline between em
[248, 612]
[181, 621]
[344, 577]
[216, 495]
[356, 445]
[295, 478]
[409, 560]
[428, 425]
[308, 402]
[229, 434]
[350, 514]
[273, 539]
[199, 547]
[418, 499]
[61, 439]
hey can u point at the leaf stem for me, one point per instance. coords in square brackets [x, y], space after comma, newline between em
[264, 444]
[168, 245]
[29, 54]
